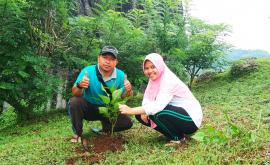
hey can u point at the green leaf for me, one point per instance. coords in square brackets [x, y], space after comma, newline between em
[234, 130]
[250, 137]
[104, 111]
[23, 74]
[4, 85]
[113, 88]
[103, 89]
[105, 99]
[115, 107]
[116, 95]
[199, 136]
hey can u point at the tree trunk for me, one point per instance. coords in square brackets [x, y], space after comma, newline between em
[92, 3]
[23, 113]
[1, 107]
[48, 105]
[60, 102]
[86, 7]
[125, 7]
[134, 4]
[191, 81]
[181, 8]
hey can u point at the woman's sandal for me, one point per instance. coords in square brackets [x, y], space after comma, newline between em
[176, 142]
[75, 139]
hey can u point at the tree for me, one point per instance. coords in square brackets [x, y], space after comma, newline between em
[41, 42]
[29, 42]
[164, 24]
[89, 34]
[205, 47]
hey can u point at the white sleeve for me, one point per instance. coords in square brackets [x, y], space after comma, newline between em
[153, 107]
[145, 101]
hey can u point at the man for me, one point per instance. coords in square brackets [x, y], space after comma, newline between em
[88, 87]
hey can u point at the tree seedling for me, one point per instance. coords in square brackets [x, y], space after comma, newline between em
[111, 108]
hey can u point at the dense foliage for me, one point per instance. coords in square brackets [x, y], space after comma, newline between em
[26, 63]
[44, 43]
[235, 130]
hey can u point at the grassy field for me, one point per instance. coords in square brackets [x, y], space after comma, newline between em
[235, 130]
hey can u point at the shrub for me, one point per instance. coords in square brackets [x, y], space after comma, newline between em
[8, 118]
[206, 76]
[243, 66]
[135, 100]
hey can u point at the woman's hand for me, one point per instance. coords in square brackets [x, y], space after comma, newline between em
[124, 109]
[144, 117]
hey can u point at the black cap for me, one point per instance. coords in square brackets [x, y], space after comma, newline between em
[109, 49]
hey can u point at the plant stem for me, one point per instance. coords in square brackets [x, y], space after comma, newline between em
[112, 130]
[113, 125]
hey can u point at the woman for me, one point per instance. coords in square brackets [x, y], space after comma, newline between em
[168, 105]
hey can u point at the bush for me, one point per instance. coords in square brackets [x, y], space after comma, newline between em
[206, 76]
[243, 66]
[8, 118]
[136, 100]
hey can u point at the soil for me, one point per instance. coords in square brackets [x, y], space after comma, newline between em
[98, 146]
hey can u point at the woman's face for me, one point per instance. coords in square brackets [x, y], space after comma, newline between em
[150, 70]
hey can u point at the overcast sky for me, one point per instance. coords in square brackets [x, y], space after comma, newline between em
[250, 20]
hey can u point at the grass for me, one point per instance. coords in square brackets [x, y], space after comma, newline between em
[235, 130]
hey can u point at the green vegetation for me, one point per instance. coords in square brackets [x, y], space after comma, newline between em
[235, 130]
[204, 49]
[43, 43]
[111, 110]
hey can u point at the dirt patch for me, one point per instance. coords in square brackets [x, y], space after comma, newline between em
[98, 146]
[85, 158]
[105, 143]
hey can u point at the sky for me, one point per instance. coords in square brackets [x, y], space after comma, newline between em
[249, 19]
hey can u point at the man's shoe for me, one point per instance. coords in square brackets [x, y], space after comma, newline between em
[85, 145]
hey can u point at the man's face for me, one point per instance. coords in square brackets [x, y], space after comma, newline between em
[107, 62]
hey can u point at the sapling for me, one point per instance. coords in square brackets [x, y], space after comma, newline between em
[111, 108]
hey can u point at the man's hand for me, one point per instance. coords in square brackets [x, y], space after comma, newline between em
[84, 83]
[127, 86]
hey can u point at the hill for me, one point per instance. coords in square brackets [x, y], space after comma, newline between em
[239, 106]
[236, 54]
[235, 130]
